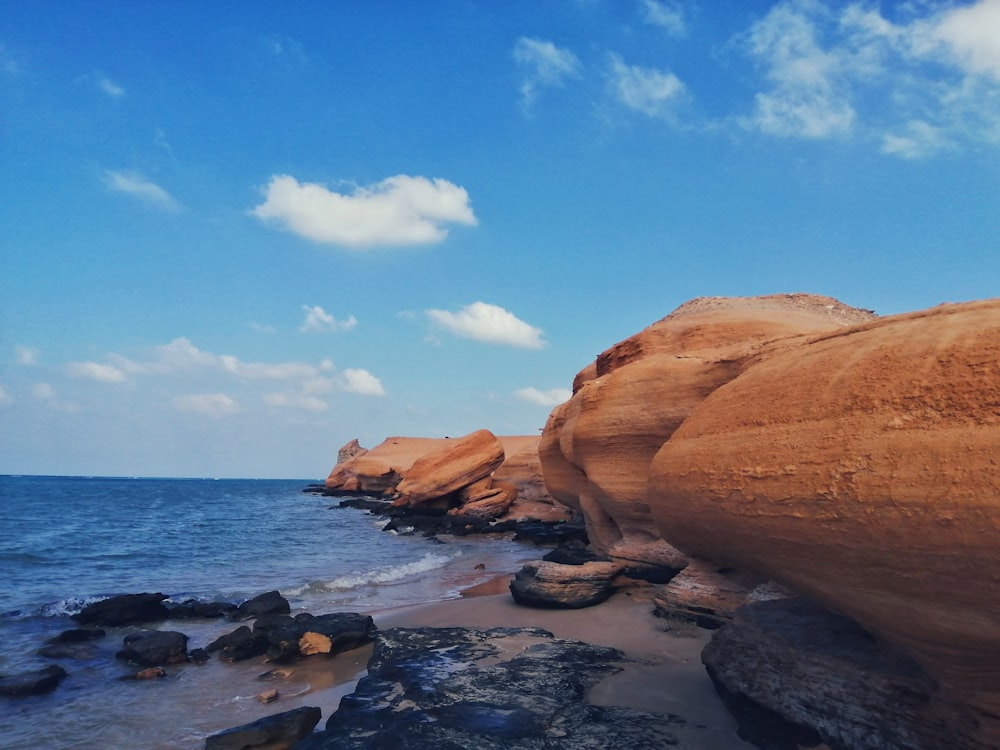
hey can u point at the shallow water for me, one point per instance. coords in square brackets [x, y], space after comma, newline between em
[66, 541]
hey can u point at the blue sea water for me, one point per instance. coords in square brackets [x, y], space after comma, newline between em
[67, 541]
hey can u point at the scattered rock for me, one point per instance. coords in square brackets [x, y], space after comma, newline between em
[305, 634]
[501, 689]
[77, 635]
[126, 609]
[239, 645]
[553, 586]
[198, 656]
[270, 603]
[39, 681]
[153, 648]
[276, 732]
[150, 673]
[192, 609]
[268, 696]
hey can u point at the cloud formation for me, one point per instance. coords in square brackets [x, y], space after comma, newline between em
[398, 211]
[668, 16]
[135, 185]
[103, 373]
[549, 398]
[544, 66]
[646, 90]
[216, 405]
[491, 324]
[109, 87]
[319, 320]
[362, 382]
[26, 356]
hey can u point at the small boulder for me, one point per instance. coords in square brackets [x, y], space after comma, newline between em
[36, 682]
[153, 648]
[126, 609]
[192, 609]
[276, 732]
[550, 585]
[270, 603]
[239, 645]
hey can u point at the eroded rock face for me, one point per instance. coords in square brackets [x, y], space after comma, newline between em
[275, 732]
[453, 465]
[597, 447]
[500, 689]
[552, 585]
[861, 468]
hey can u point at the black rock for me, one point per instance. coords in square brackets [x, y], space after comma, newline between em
[278, 730]
[345, 630]
[153, 648]
[192, 609]
[574, 552]
[271, 603]
[500, 689]
[240, 644]
[126, 609]
[32, 683]
[77, 635]
[544, 532]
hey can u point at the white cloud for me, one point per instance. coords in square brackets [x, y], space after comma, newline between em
[552, 397]
[489, 323]
[109, 87]
[646, 90]
[43, 392]
[973, 34]
[400, 210]
[215, 405]
[362, 382]
[669, 16]
[5, 398]
[544, 66]
[319, 320]
[296, 401]
[97, 371]
[917, 140]
[137, 186]
[26, 356]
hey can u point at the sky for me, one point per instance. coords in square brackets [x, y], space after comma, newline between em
[236, 235]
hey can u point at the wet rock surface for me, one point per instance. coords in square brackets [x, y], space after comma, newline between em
[796, 675]
[511, 688]
[153, 648]
[275, 732]
[126, 609]
[32, 683]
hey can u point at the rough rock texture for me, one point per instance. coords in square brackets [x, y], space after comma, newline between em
[861, 468]
[708, 595]
[36, 682]
[380, 469]
[306, 634]
[125, 609]
[349, 451]
[597, 447]
[153, 648]
[275, 732]
[522, 468]
[268, 603]
[500, 689]
[553, 585]
[453, 465]
[794, 674]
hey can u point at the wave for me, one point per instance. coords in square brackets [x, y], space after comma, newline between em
[384, 575]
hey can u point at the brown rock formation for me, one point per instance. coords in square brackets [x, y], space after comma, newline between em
[453, 465]
[380, 469]
[552, 585]
[861, 468]
[349, 451]
[597, 447]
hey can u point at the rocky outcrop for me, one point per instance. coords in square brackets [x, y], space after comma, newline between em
[125, 609]
[450, 467]
[275, 732]
[268, 603]
[154, 648]
[797, 675]
[36, 682]
[501, 689]
[552, 585]
[380, 469]
[596, 448]
[350, 450]
[284, 638]
[860, 468]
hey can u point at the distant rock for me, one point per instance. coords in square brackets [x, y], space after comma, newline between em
[380, 469]
[551, 585]
[269, 603]
[125, 609]
[36, 682]
[455, 464]
[349, 451]
[275, 732]
[193, 609]
[154, 648]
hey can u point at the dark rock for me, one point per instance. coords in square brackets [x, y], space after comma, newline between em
[80, 651]
[149, 673]
[198, 656]
[153, 648]
[500, 689]
[271, 603]
[77, 635]
[240, 645]
[126, 609]
[339, 631]
[794, 674]
[275, 732]
[550, 585]
[544, 532]
[37, 682]
[374, 505]
[574, 552]
[192, 609]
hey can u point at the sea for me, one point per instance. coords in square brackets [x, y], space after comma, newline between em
[69, 541]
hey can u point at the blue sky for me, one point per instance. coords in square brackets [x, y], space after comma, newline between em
[238, 234]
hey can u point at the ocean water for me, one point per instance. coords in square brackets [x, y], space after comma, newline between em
[67, 541]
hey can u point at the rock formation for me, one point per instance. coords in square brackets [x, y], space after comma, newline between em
[551, 585]
[597, 447]
[450, 467]
[860, 467]
[275, 732]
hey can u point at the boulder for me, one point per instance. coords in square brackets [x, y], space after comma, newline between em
[860, 468]
[454, 465]
[794, 674]
[275, 732]
[153, 648]
[239, 645]
[305, 634]
[193, 609]
[125, 609]
[380, 469]
[500, 689]
[269, 603]
[72, 644]
[596, 448]
[36, 682]
[551, 585]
